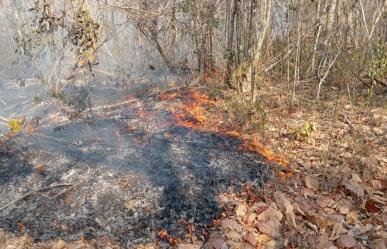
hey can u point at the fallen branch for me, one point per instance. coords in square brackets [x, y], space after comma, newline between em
[33, 192]
[3, 102]
[109, 107]
[4, 120]
[279, 59]
[72, 187]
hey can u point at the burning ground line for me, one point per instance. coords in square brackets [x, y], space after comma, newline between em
[192, 112]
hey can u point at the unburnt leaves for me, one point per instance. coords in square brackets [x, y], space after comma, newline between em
[16, 124]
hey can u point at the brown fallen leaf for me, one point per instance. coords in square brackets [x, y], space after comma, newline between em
[189, 246]
[354, 188]
[284, 204]
[234, 236]
[251, 238]
[260, 208]
[40, 168]
[336, 230]
[311, 182]
[356, 178]
[380, 185]
[378, 197]
[270, 213]
[346, 241]
[352, 218]
[323, 242]
[372, 207]
[380, 244]
[264, 227]
[324, 201]
[270, 227]
[241, 209]
[215, 241]
[345, 207]
[231, 225]
[321, 222]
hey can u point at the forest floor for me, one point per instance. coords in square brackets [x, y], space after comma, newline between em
[335, 195]
[330, 189]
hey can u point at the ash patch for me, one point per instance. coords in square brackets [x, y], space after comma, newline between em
[127, 187]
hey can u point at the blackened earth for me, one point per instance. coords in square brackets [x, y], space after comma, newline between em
[98, 177]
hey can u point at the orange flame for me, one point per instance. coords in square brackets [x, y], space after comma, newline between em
[253, 145]
[168, 96]
[192, 114]
[163, 234]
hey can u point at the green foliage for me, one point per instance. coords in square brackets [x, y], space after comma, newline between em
[378, 67]
[215, 92]
[306, 132]
[40, 32]
[84, 34]
[56, 94]
[16, 124]
[37, 100]
[245, 113]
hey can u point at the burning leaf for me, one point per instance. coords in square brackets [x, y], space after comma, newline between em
[21, 227]
[163, 234]
[254, 145]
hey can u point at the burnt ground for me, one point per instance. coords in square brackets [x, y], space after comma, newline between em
[99, 177]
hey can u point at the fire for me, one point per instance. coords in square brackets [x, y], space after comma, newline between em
[192, 113]
[163, 234]
[168, 96]
[253, 145]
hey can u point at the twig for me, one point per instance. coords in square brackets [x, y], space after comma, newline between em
[346, 120]
[33, 192]
[72, 187]
[132, 9]
[322, 80]
[4, 120]
[107, 107]
[3, 102]
[279, 59]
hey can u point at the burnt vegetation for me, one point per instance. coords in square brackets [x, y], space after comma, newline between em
[193, 124]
